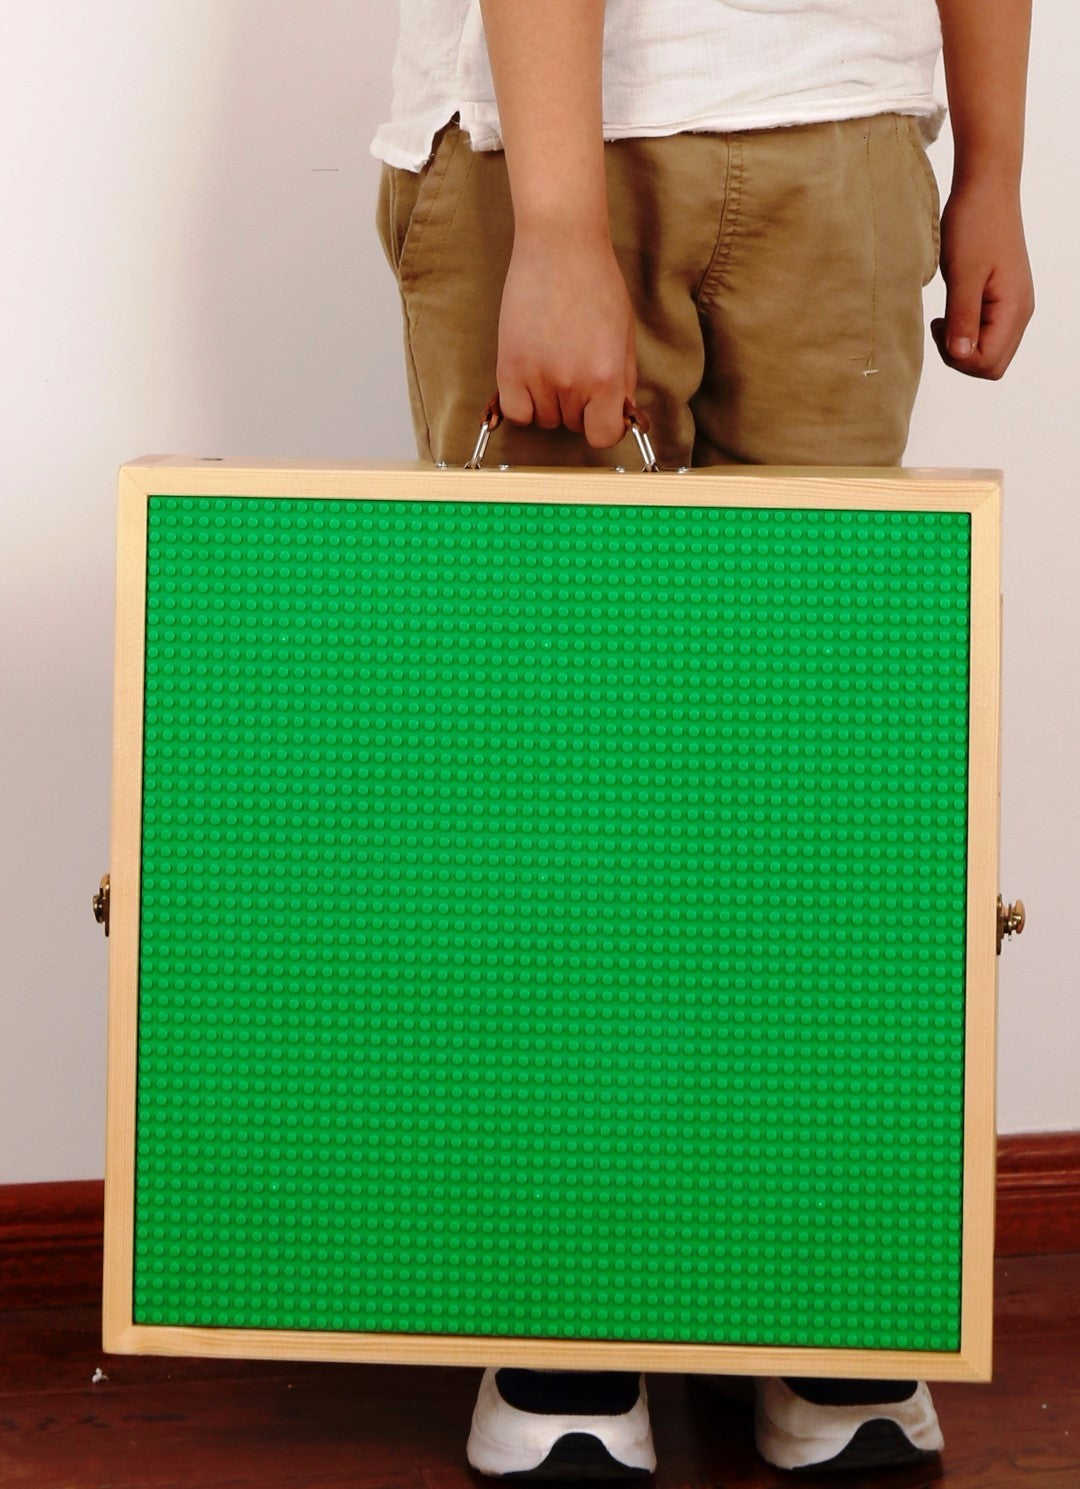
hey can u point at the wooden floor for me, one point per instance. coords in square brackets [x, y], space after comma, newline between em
[223, 1425]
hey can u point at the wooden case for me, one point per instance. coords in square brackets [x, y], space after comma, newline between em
[553, 917]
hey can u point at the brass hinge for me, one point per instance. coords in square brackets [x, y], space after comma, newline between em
[101, 904]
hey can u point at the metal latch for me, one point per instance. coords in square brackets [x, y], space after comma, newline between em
[1010, 918]
[101, 904]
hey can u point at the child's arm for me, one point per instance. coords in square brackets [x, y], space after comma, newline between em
[990, 297]
[566, 331]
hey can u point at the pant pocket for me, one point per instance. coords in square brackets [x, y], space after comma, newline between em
[406, 200]
[924, 184]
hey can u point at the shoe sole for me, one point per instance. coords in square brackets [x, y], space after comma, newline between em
[878, 1444]
[507, 1442]
[579, 1456]
[794, 1434]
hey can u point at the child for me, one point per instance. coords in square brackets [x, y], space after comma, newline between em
[722, 209]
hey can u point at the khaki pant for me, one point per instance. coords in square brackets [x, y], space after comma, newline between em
[776, 275]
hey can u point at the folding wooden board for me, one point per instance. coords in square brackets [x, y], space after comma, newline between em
[553, 917]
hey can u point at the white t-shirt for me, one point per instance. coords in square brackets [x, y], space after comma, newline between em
[676, 65]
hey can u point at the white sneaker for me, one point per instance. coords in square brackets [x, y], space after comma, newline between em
[570, 1425]
[794, 1432]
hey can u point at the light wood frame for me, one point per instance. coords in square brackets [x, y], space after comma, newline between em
[975, 492]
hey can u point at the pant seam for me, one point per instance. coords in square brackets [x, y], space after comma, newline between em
[727, 228]
[870, 357]
[435, 256]
[434, 177]
[413, 299]
[413, 377]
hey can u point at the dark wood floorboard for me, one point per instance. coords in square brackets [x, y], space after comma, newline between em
[157, 1423]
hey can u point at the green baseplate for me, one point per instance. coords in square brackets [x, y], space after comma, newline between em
[553, 921]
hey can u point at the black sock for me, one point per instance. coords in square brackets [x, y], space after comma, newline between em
[852, 1392]
[578, 1393]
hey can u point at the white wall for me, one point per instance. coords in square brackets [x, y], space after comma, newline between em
[188, 265]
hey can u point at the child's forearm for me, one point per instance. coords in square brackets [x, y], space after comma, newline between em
[566, 327]
[984, 258]
[546, 61]
[986, 45]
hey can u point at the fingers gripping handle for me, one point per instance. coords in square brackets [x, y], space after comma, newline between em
[635, 421]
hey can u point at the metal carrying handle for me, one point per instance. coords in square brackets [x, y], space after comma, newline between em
[635, 421]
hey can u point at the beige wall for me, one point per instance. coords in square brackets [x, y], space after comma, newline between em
[188, 264]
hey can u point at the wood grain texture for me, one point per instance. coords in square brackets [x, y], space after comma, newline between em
[124, 869]
[1038, 1194]
[871, 488]
[224, 1424]
[550, 1354]
[50, 1244]
[980, 1048]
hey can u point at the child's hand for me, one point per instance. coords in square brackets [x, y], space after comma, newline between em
[566, 330]
[566, 337]
[990, 295]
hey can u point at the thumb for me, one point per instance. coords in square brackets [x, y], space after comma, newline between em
[963, 316]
